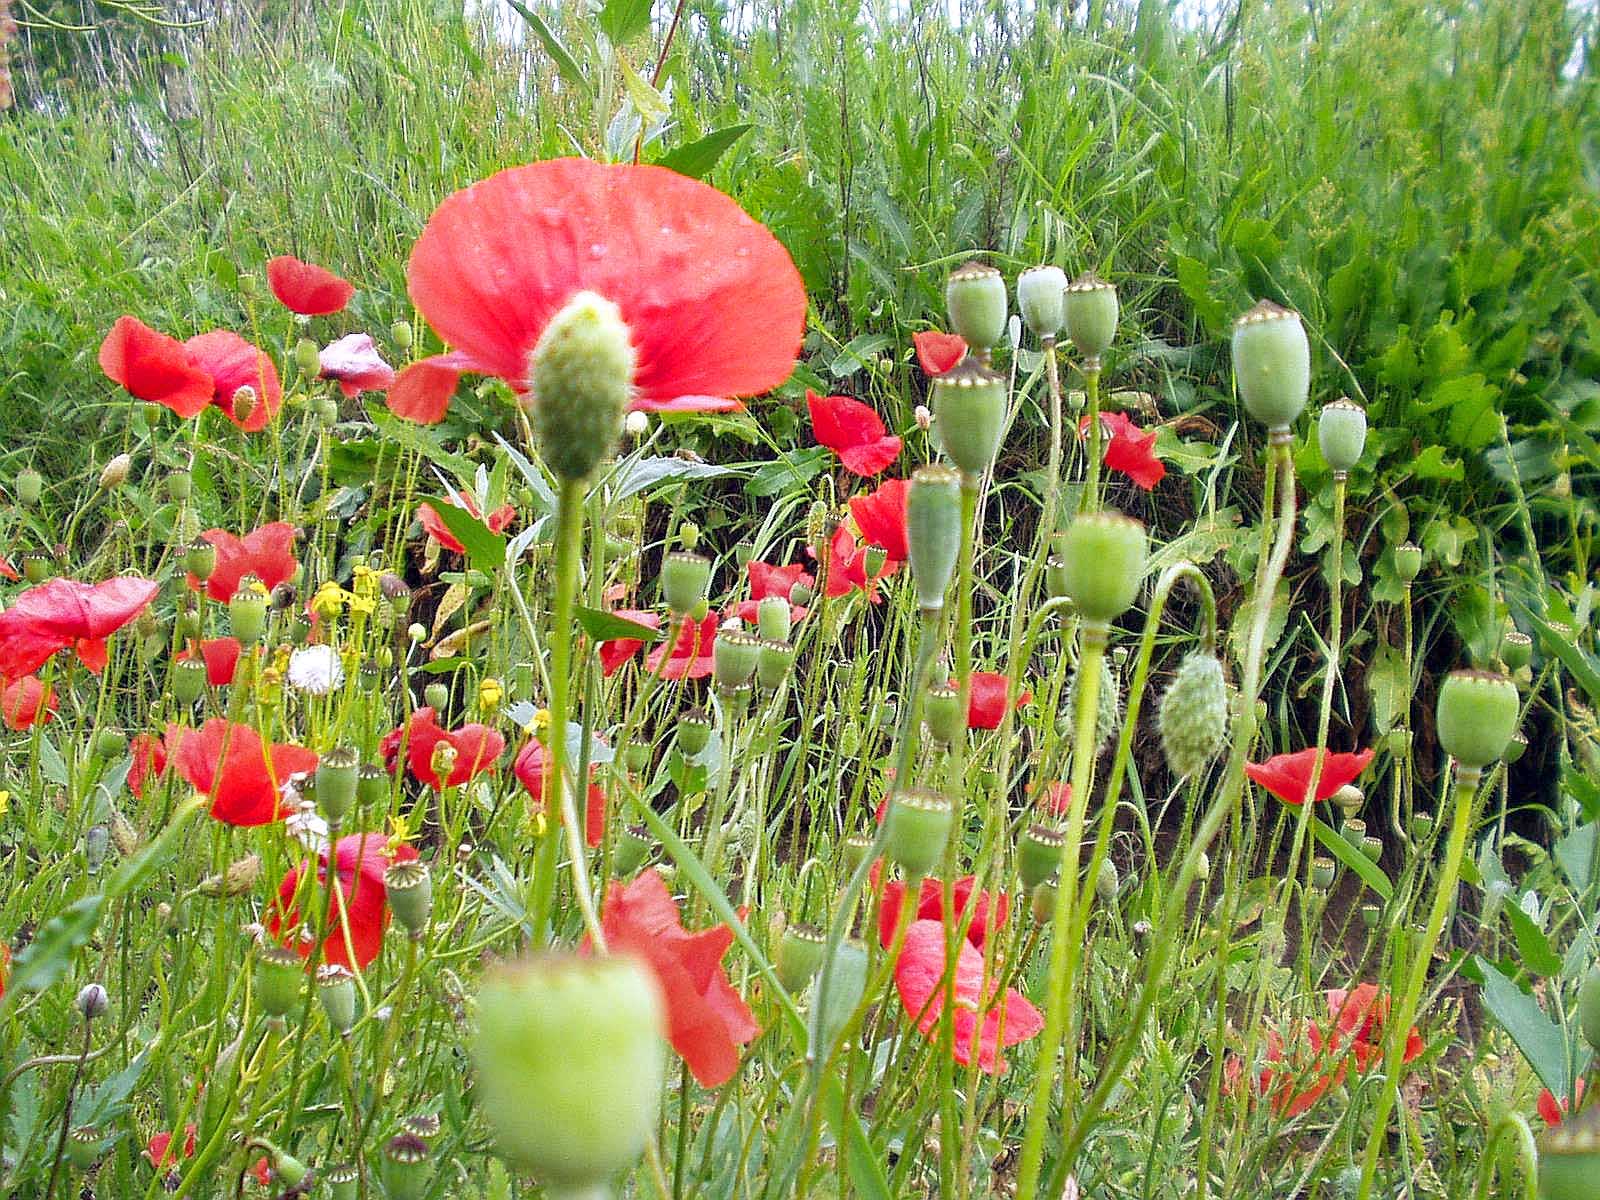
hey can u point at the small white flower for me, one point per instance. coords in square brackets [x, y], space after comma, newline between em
[315, 670]
[638, 423]
[305, 824]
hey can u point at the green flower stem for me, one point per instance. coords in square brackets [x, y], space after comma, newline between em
[1052, 478]
[1398, 1024]
[1091, 386]
[1512, 1125]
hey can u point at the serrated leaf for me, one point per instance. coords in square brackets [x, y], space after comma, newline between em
[50, 953]
[105, 1100]
[623, 20]
[1574, 853]
[1536, 1035]
[698, 157]
[603, 626]
[1537, 956]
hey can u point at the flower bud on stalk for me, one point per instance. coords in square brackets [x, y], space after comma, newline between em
[1194, 714]
[970, 401]
[1477, 714]
[917, 826]
[933, 532]
[244, 403]
[685, 580]
[975, 294]
[1342, 433]
[799, 956]
[1589, 1007]
[1039, 854]
[1103, 560]
[582, 372]
[409, 888]
[115, 473]
[941, 709]
[93, 1001]
[307, 358]
[336, 989]
[1091, 316]
[1272, 363]
[1041, 298]
[237, 879]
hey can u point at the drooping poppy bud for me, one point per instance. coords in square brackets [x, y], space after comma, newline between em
[975, 294]
[1041, 298]
[1272, 363]
[581, 371]
[799, 956]
[970, 402]
[941, 709]
[336, 778]
[917, 827]
[1342, 433]
[1091, 314]
[1038, 854]
[933, 532]
[115, 473]
[1476, 716]
[1103, 555]
[336, 989]
[1194, 714]
[409, 887]
[685, 580]
[1407, 561]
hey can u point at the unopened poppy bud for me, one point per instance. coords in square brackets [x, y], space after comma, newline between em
[1477, 714]
[436, 695]
[1103, 554]
[1091, 314]
[200, 559]
[279, 977]
[96, 841]
[1569, 1157]
[35, 566]
[917, 826]
[1407, 561]
[854, 850]
[407, 1169]
[1202, 867]
[409, 887]
[1342, 433]
[971, 402]
[1041, 298]
[847, 981]
[1193, 717]
[93, 1001]
[685, 580]
[123, 835]
[632, 848]
[115, 473]
[336, 989]
[694, 731]
[637, 424]
[582, 373]
[1107, 881]
[733, 658]
[1516, 650]
[975, 295]
[773, 661]
[244, 403]
[307, 358]
[1042, 903]
[1272, 364]
[337, 775]
[247, 611]
[1038, 854]
[570, 1062]
[933, 531]
[83, 1146]
[188, 680]
[237, 879]
[30, 486]
[1350, 800]
[773, 618]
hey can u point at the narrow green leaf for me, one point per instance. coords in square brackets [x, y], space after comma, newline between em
[698, 157]
[603, 626]
[566, 65]
[50, 953]
[1358, 862]
[1536, 1035]
[860, 1163]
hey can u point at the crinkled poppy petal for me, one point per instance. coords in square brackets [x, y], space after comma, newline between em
[690, 657]
[306, 288]
[25, 702]
[1287, 776]
[355, 364]
[221, 657]
[422, 391]
[986, 706]
[148, 760]
[242, 775]
[155, 367]
[840, 422]
[938, 352]
[619, 650]
[919, 973]
[93, 653]
[871, 458]
[767, 580]
[234, 363]
[358, 925]
[686, 404]
[267, 553]
[1136, 458]
[881, 517]
[713, 302]
[433, 525]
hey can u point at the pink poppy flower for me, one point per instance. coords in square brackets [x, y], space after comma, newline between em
[986, 707]
[353, 362]
[362, 859]
[62, 614]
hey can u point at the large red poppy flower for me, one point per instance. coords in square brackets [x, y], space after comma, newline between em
[64, 613]
[242, 775]
[919, 977]
[714, 304]
[149, 760]
[532, 769]
[306, 288]
[930, 906]
[767, 580]
[1128, 449]
[25, 702]
[187, 376]
[690, 656]
[986, 706]
[852, 431]
[362, 859]
[434, 526]
[1554, 1111]
[1287, 776]
[938, 352]
[221, 657]
[881, 517]
[267, 553]
[353, 362]
[707, 1021]
[1358, 1017]
[478, 748]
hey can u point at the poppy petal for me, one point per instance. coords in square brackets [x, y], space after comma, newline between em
[234, 363]
[306, 288]
[938, 352]
[422, 391]
[155, 367]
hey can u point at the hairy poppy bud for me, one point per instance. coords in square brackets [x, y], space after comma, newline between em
[846, 983]
[115, 473]
[1342, 433]
[30, 486]
[1038, 854]
[93, 1001]
[437, 696]
[975, 294]
[733, 658]
[83, 1146]
[244, 403]
[694, 731]
[917, 826]
[1042, 903]
[933, 531]
[402, 334]
[1476, 716]
[407, 1169]
[1516, 650]
[1107, 882]
[279, 977]
[409, 887]
[336, 989]
[1407, 561]
[582, 372]
[1091, 314]
[773, 661]
[109, 742]
[1103, 556]
[1041, 299]
[1569, 1157]
[799, 956]
[773, 618]
[1194, 714]
[632, 848]
[941, 709]
[685, 580]
[1272, 363]
[970, 400]
[247, 611]
[237, 879]
[336, 778]
[570, 1063]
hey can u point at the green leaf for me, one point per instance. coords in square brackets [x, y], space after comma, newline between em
[860, 1163]
[603, 626]
[1194, 281]
[698, 157]
[50, 953]
[1575, 855]
[1432, 464]
[566, 65]
[105, 1101]
[854, 355]
[1334, 843]
[647, 473]
[623, 20]
[1585, 668]
[135, 871]
[485, 550]
[1386, 684]
[1537, 955]
[1536, 1035]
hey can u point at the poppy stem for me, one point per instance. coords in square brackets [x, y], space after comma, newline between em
[1090, 502]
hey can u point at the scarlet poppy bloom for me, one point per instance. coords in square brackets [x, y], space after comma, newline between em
[1296, 1076]
[938, 352]
[707, 1021]
[478, 748]
[8, 570]
[1552, 1110]
[159, 1149]
[881, 517]
[532, 769]
[767, 580]
[221, 656]
[25, 701]
[930, 906]
[434, 526]
[149, 759]
[64, 613]
[919, 977]
[847, 566]
[852, 431]
[1287, 776]
[353, 362]
[986, 706]
[242, 775]
[1127, 448]
[188, 376]
[690, 656]
[267, 553]
[1056, 800]
[1358, 1017]
[362, 859]
[712, 301]
[619, 650]
[306, 288]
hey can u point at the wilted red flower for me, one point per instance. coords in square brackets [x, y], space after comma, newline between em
[221, 656]
[986, 706]
[690, 656]
[1296, 1076]
[306, 288]
[478, 748]
[242, 775]
[434, 526]
[1056, 799]
[62, 613]
[713, 303]
[938, 352]
[881, 517]
[149, 759]
[919, 976]
[188, 376]
[707, 1021]
[159, 1150]
[852, 431]
[25, 701]
[362, 859]
[1551, 1109]
[930, 906]
[1358, 1017]
[532, 769]
[619, 650]
[1128, 449]
[267, 553]
[353, 362]
[1287, 776]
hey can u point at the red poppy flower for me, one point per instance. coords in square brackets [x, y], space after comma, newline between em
[1358, 1019]
[423, 389]
[986, 706]
[159, 1150]
[1287, 776]
[306, 288]
[149, 759]
[1296, 1077]
[362, 859]
[64, 613]
[1128, 449]
[155, 367]
[881, 517]
[267, 553]
[707, 1021]
[619, 650]
[938, 352]
[25, 701]
[239, 772]
[930, 906]
[7, 570]
[767, 580]
[221, 656]
[690, 656]
[1056, 800]
[919, 977]
[852, 431]
[532, 769]
[478, 748]
[1553, 1111]
[234, 363]
[713, 302]
[440, 532]
[353, 362]
[847, 566]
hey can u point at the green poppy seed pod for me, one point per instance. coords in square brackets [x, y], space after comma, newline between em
[1055, 578]
[773, 661]
[406, 1167]
[773, 618]
[280, 975]
[941, 709]
[247, 611]
[30, 486]
[933, 531]
[737, 699]
[1516, 650]
[1353, 830]
[1272, 363]
[685, 580]
[1516, 747]
[917, 826]
[287, 1169]
[1042, 903]
[1372, 847]
[1322, 873]
[1091, 314]
[1041, 298]
[1193, 716]
[975, 295]
[336, 779]
[402, 335]
[336, 989]
[802, 594]
[854, 851]
[570, 1063]
[436, 695]
[970, 403]
[1476, 716]
[846, 983]
[733, 658]
[324, 408]
[1342, 433]
[1038, 855]
[409, 887]
[874, 559]
[1407, 561]
[636, 756]
[179, 486]
[582, 377]
[1422, 826]
[307, 358]
[1107, 881]
[1104, 557]
[83, 1146]
[632, 848]
[35, 567]
[343, 1182]
[1589, 1007]
[109, 742]
[200, 559]
[372, 785]
[799, 956]
[694, 731]
[1569, 1157]
[188, 680]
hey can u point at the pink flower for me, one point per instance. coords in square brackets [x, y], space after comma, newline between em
[919, 977]
[355, 364]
